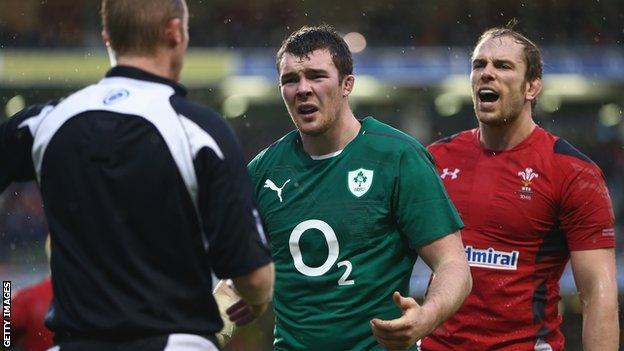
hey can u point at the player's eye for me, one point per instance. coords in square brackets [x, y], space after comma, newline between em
[288, 80]
[478, 64]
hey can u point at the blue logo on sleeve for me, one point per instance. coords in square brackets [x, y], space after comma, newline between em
[116, 96]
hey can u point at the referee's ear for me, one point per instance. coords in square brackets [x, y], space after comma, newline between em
[105, 37]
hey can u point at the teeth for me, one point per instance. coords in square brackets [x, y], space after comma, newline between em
[488, 95]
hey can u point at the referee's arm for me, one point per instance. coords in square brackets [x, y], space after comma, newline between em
[237, 247]
[16, 141]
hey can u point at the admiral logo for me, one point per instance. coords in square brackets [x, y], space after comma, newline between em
[116, 96]
[528, 175]
[490, 258]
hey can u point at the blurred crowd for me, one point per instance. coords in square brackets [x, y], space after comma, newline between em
[263, 23]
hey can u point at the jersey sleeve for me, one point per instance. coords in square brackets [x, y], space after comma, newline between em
[16, 139]
[586, 215]
[422, 207]
[237, 244]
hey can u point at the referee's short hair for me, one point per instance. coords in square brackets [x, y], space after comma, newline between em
[135, 27]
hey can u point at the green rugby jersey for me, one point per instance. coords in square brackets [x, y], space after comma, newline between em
[342, 232]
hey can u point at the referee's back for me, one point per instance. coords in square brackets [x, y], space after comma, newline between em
[145, 194]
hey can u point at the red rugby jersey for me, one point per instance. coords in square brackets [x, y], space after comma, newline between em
[524, 210]
[29, 307]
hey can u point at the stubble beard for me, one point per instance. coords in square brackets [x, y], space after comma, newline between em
[508, 113]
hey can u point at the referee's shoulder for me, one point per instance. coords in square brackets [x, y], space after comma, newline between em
[206, 118]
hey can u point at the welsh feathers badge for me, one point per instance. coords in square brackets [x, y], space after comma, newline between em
[359, 181]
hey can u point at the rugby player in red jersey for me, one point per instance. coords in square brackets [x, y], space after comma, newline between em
[29, 307]
[530, 202]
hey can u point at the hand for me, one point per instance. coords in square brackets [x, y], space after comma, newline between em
[231, 305]
[403, 332]
[227, 298]
[241, 313]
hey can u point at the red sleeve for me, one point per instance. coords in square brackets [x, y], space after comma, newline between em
[586, 214]
[19, 312]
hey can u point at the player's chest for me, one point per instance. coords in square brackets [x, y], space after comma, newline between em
[351, 198]
[514, 196]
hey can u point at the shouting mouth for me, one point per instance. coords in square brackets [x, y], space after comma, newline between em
[488, 95]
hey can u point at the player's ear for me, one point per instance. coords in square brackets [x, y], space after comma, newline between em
[347, 85]
[174, 31]
[533, 89]
[105, 37]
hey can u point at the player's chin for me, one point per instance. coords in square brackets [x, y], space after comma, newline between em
[311, 127]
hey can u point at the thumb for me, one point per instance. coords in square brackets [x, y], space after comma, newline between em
[403, 302]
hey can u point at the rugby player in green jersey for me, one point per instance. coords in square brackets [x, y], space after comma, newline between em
[348, 205]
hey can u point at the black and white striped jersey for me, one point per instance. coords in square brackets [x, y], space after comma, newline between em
[145, 193]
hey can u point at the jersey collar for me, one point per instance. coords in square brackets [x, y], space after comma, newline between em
[528, 141]
[136, 73]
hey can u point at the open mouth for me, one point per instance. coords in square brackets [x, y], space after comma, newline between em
[488, 95]
[306, 109]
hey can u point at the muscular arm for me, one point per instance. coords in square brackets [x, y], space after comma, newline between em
[449, 287]
[594, 273]
[451, 282]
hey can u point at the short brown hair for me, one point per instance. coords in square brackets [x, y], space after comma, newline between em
[532, 54]
[307, 39]
[136, 26]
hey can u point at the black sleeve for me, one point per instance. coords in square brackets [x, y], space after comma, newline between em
[235, 235]
[16, 146]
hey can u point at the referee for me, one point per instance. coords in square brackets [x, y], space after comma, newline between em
[145, 192]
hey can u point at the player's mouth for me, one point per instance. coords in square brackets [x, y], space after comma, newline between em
[306, 109]
[488, 95]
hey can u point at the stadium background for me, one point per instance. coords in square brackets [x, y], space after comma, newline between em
[411, 66]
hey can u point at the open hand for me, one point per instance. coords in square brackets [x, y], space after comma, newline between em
[403, 332]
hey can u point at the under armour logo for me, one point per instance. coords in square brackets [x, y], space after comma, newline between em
[269, 184]
[453, 174]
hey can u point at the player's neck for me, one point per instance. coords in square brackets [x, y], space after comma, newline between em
[346, 128]
[506, 136]
[159, 64]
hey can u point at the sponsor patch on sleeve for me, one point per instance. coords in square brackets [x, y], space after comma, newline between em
[491, 258]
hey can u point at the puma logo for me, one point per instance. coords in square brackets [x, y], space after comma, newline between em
[269, 184]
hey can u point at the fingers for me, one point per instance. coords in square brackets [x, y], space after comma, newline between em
[240, 313]
[388, 328]
[399, 333]
[392, 340]
[403, 302]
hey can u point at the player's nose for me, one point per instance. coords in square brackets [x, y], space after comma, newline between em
[304, 88]
[488, 72]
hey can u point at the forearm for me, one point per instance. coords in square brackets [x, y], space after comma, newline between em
[600, 322]
[595, 277]
[450, 285]
[256, 288]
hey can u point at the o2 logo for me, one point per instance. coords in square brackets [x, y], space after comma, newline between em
[116, 96]
[332, 256]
